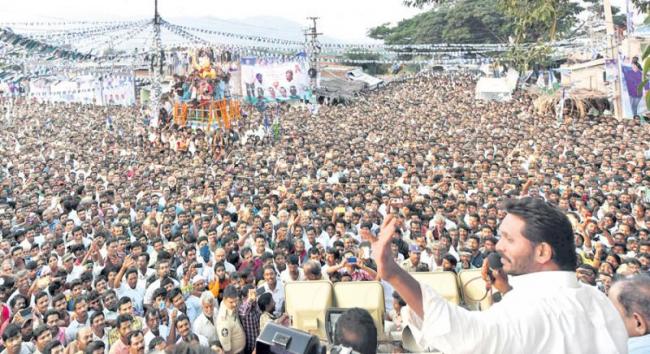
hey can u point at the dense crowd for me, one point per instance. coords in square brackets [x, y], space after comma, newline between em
[118, 237]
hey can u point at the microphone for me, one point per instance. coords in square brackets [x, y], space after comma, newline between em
[494, 261]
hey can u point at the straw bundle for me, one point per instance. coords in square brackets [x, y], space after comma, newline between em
[578, 103]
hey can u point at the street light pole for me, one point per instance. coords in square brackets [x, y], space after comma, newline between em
[313, 51]
[156, 89]
[612, 54]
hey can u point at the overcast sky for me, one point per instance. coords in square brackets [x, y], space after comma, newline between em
[344, 19]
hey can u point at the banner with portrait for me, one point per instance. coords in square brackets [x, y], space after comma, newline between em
[632, 99]
[273, 79]
[106, 90]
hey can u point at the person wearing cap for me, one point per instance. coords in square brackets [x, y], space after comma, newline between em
[411, 264]
[229, 329]
[73, 271]
[465, 255]
[193, 302]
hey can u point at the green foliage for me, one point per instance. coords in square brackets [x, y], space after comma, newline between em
[597, 9]
[482, 21]
[530, 22]
[540, 22]
[465, 21]
[380, 32]
[422, 3]
[642, 5]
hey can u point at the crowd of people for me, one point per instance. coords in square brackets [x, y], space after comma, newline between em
[119, 237]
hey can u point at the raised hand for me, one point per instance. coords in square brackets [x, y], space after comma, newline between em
[128, 262]
[381, 247]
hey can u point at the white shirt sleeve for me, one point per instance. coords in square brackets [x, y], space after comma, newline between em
[537, 317]
[445, 322]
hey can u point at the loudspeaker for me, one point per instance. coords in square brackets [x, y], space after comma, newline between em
[278, 339]
[312, 73]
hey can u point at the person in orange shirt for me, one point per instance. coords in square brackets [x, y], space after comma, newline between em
[220, 282]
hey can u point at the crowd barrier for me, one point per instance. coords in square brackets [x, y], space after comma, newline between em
[219, 113]
[308, 301]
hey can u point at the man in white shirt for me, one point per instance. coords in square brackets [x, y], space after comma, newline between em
[220, 256]
[74, 271]
[154, 327]
[131, 288]
[542, 307]
[206, 323]
[631, 297]
[293, 271]
[162, 271]
[275, 287]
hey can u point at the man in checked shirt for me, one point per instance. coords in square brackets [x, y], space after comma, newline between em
[249, 315]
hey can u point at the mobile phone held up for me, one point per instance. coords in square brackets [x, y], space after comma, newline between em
[396, 204]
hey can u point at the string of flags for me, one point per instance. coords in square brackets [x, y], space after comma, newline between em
[119, 38]
[60, 23]
[460, 61]
[59, 59]
[254, 38]
[179, 31]
[248, 49]
[33, 45]
[85, 32]
[67, 92]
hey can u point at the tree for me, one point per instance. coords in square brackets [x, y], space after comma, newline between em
[642, 5]
[421, 3]
[380, 32]
[467, 21]
[530, 25]
[597, 10]
[482, 21]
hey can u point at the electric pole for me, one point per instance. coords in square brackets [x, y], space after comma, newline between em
[313, 51]
[156, 67]
[612, 54]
